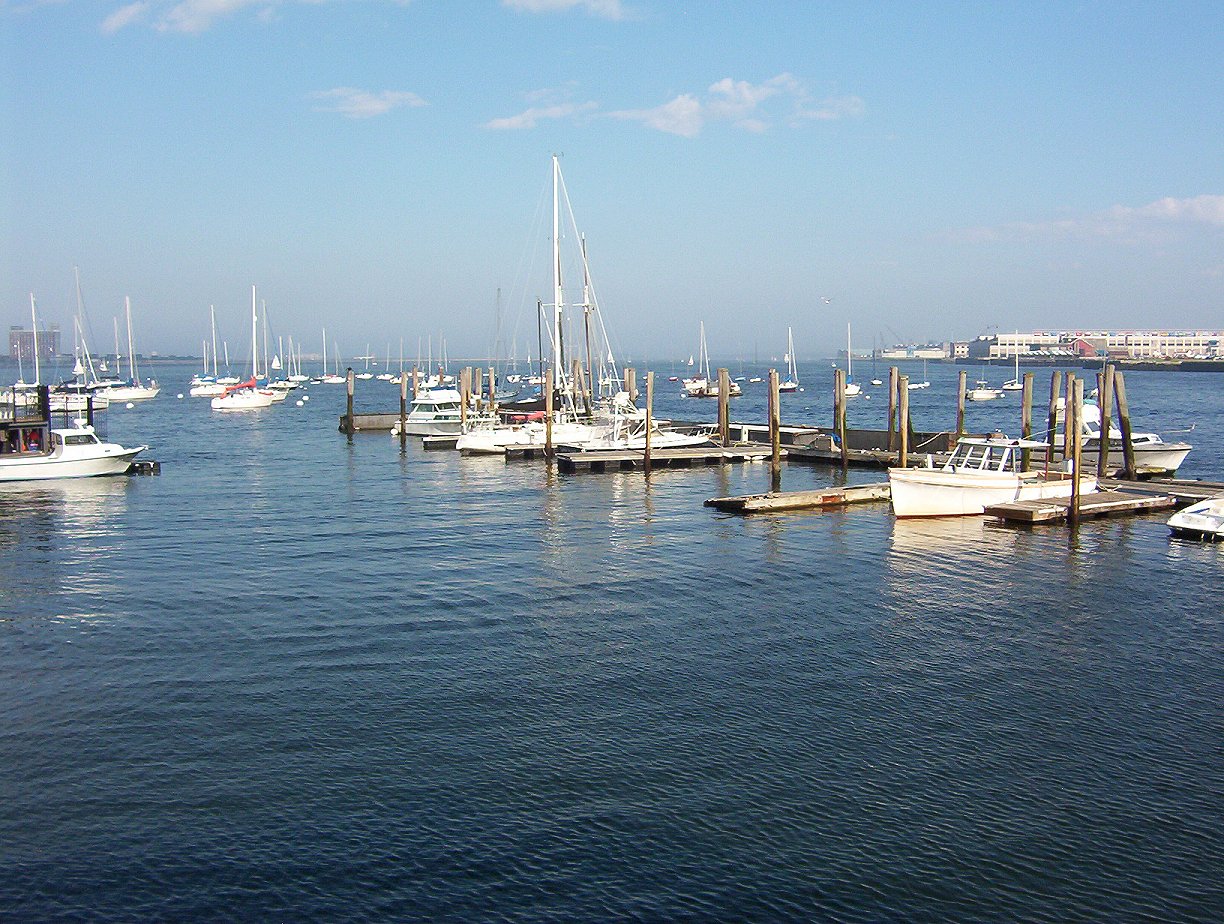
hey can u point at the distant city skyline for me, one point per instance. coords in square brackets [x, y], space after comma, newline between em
[378, 168]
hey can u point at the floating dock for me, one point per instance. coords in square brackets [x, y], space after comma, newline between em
[802, 500]
[684, 457]
[1097, 504]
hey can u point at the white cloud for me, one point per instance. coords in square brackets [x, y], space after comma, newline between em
[362, 104]
[1207, 210]
[681, 116]
[530, 117]
[745, 105]
[605, 9]
[195, 16]
[124, 16]
[1118, 221]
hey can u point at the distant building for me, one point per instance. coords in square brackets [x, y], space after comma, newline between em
[1141, 344]
[21, 343]
[959, 349]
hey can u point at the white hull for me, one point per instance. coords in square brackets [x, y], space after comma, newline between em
[1204, 520]
[89, 459]
[495, 440]
[207, 390]
[918, 492]
[427, 428]
[243, 401]
[130, 393]
[853, 390]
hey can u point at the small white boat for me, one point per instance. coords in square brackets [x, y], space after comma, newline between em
[245, 396]
[981, 472]
[72, 452]
[705, 384]
[925, 383]
[982, 392]
[791, 384]
[1015, 384]
[433, 413]
[1204, 520]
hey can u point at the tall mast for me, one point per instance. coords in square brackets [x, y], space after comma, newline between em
[212, 315]
[254, 336]
[34, 327]
[558, 293]
[127, 305]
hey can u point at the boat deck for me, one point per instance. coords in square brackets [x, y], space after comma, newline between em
[681, 457]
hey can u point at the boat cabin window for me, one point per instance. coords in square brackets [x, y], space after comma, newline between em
[79, 439]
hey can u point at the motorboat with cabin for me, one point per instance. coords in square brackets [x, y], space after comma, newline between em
[981, 472]
[38, 452]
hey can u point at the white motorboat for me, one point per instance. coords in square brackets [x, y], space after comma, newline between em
[495, 440]
[35, 453]
[1204, 520]
[982, 471]
[981, 391]
[1153, 456]
[433, 412]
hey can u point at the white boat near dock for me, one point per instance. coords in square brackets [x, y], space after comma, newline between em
[68, 452]
[982, 472]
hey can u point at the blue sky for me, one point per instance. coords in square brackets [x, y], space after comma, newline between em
[934, 170]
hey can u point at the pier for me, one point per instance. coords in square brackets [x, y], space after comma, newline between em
[776, 501]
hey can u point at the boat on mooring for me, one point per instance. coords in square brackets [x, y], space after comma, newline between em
[982, 472]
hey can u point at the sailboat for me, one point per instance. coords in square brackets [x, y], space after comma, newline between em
[704, 384]
[853, 389]
[1015, 384]
[575, 422]
[132, 389]
[367, 374]
[247, 395]
[792, 373]
[206, 385]
[332, 378]
[925, 383]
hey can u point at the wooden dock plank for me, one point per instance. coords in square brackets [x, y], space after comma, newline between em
[1102, 503]
[801, 500]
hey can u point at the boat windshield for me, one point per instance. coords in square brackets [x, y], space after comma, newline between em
[80, 439]
[982, 457]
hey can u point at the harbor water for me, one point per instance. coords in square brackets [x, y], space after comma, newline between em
[304, 677]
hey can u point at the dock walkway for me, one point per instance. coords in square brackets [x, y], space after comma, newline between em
[802, 500]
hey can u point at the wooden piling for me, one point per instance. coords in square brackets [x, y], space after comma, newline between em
[892, 407]
[903, 419]
[548, 412]
[841, 424]
[1105, 389]
[1026, 418]
[1072, 424]
[1067, 436]
[348, 413]
[478, 388]
[492, 390]
[403, 407]
[1052, 419]
[649, 420]
[775, 423]
[631, 382]
[724, 407]
[1124, 424]
[465, 394]
[839, 401]
[961, 385]
[416, 381]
